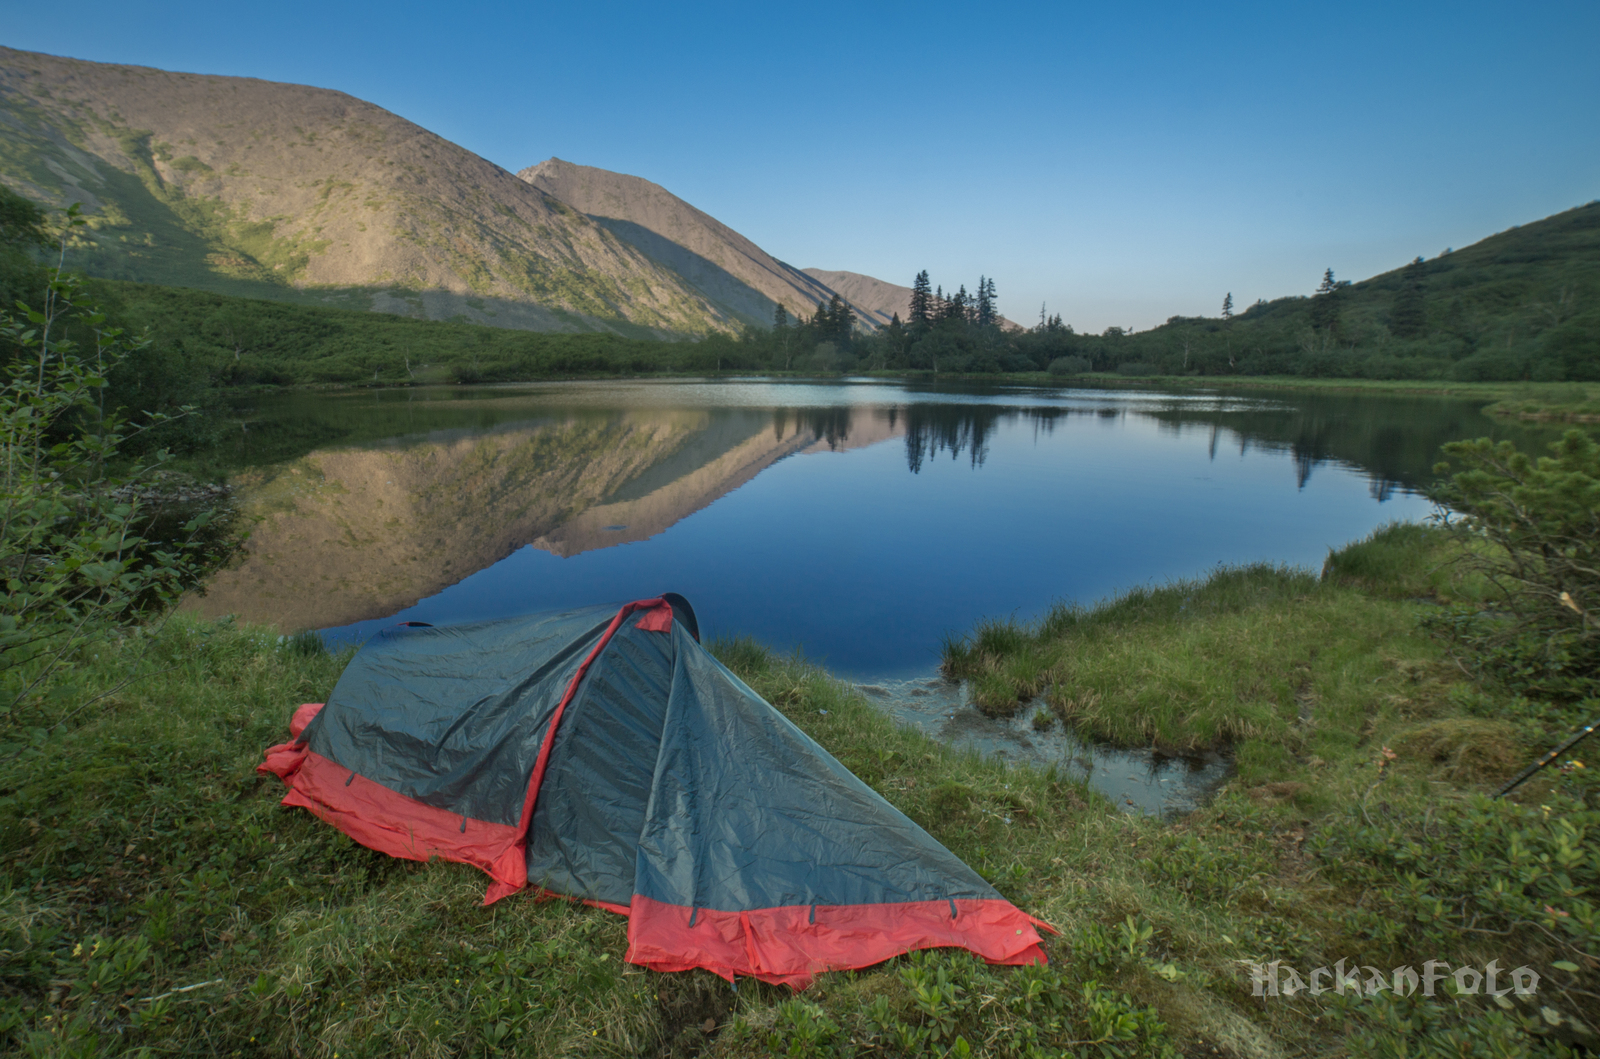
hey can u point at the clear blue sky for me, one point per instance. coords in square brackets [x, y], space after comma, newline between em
[1121, 162]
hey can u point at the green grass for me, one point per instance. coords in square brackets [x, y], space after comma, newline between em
[140, 854]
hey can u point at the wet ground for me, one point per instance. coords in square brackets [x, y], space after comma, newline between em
[1138, 781]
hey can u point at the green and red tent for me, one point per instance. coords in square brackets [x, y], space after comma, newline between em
[604, 755]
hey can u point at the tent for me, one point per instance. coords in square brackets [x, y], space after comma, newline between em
[604, 755]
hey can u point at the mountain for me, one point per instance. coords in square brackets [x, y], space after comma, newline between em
[729, 270]
[871, 297]
[284, 191]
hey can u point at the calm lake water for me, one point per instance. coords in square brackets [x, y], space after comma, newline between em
[858, 521]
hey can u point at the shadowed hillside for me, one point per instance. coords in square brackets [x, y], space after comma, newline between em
[730, 270]
[283, 191]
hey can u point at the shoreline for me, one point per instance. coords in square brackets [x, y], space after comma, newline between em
[1551, 402]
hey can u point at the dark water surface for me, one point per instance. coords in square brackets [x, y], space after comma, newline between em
[858, 521]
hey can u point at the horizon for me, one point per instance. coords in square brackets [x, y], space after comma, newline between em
[1132, 202]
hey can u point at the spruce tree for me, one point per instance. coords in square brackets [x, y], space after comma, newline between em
[986, 313]
[921, 301]
[841, 321]
[1227, 306]
[1325, 307]
[959, 305]
[780, 318]
[1408, 314]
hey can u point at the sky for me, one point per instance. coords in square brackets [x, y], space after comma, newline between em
[1115, 163]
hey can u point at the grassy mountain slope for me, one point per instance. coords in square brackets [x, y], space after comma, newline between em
[229, 341]
[729, 269]
[303, 194]
[1521, 304]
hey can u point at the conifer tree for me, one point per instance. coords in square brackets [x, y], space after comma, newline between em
[1325, 307]
[921, 301]
[958, 305]
[841, 322]
[1408, 316]
[986, 313]
[1227, 306]
[780, 318]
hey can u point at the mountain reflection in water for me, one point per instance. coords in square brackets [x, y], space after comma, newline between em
[359, 533]
[907, 512]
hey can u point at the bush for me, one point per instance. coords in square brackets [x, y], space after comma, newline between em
[1532, 529]
[1489, 367]
[76, 553]
[1069, 366]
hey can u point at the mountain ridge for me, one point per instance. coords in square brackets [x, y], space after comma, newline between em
[730, 269]
[306, 194]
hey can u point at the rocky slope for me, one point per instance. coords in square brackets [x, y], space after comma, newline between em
[871, 297]
[277, 190]
[731, 271]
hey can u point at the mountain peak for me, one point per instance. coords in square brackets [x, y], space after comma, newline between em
[304, 194]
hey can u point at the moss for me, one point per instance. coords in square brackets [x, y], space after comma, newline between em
[1465, 749]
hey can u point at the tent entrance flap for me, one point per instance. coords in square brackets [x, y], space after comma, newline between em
[602, 754]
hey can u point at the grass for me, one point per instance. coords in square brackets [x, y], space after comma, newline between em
[142, 856]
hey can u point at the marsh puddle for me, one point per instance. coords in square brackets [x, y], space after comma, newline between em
[1139, 780]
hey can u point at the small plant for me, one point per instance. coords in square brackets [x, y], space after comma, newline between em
[802, 1030]
[307, 643]
[940, 1001]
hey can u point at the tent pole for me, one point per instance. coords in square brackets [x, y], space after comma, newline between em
[1583, 733]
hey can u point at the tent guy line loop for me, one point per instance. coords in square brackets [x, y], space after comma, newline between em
[180, 989]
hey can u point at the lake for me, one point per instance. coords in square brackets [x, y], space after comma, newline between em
[860, 522]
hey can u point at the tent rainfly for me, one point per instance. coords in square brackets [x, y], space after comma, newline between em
[604, 755]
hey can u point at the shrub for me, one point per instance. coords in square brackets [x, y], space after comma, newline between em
[1070, 366]
[76, 551]
[1533, 531]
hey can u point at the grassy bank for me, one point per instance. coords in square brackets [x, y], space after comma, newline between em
[1573, 402]
[153, 894]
